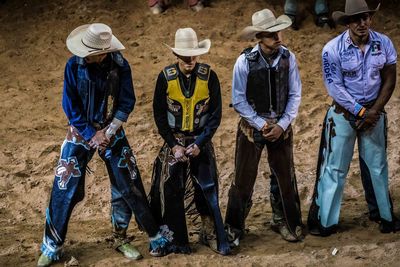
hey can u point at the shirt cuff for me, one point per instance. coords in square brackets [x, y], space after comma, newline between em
[170, 140]
[122, 116]
[284, 124]
[259, 123]
[357, 109]
[88, 133]
[199, 141]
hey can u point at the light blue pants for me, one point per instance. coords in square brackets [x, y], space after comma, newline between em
[340, 138]
[320, 7]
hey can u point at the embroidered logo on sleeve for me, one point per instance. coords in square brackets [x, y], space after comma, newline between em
[329, 68]
[65, 170]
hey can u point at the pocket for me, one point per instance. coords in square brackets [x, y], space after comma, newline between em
[377, 62]
[351, 69]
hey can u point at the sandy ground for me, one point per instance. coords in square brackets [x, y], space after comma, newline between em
[33, 125]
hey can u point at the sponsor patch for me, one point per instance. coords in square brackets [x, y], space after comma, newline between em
[329, 68]
[376, 48]
[349, 74]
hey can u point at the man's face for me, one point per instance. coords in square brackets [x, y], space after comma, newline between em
[187, 64]
[271, 40]
[359, 24]
[95, 59]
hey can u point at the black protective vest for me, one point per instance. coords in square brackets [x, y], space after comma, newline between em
[267, 88]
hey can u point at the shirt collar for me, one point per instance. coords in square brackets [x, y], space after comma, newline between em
[348, 42]
[280, 53]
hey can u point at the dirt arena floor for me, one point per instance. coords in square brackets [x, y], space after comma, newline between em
[33, 126]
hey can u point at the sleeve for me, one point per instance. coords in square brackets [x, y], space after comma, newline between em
[239, 99]
[126, 100]
[333, 80]
[215, 111]
[391, 54]
[294, 96]
[72, 104]
[160, 108]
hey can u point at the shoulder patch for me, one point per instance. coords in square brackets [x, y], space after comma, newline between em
[170, 72]
[203, 71]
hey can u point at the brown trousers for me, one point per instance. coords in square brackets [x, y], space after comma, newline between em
[280, 160]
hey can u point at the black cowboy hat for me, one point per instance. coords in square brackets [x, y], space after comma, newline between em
[353, 7]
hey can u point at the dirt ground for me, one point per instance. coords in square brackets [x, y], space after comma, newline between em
[33, 126]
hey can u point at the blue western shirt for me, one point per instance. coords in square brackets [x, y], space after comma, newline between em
[84, 95]
[239, 87]
[351, 76]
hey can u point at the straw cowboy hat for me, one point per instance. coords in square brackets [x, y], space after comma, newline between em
[265, 21]
[93, 39]
[187, 45]
[353, 7]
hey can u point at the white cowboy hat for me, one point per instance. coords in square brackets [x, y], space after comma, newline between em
[353, 7]
[265, 21]
[187, 45]
[93, 39]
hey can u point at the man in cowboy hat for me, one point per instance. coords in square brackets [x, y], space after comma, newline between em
[359, 69]
[266, 92]
[98, 97]
[187, 112]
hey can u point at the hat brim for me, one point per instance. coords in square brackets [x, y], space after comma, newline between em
[250, 32]
[76, 47]
[204, 47]
[341, 18]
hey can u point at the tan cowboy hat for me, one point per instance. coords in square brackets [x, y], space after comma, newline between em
[93, 39]
[186, 43]
[353, 7]
[265, 21]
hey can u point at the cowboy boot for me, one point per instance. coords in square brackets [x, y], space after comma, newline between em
[44, 261]
[207, 233]
[122, 244]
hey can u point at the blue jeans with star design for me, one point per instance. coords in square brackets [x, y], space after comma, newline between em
[127, 192]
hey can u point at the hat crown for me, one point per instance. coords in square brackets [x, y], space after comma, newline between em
[356, 6]
[263, 18]
[98, 36]
[186, 38]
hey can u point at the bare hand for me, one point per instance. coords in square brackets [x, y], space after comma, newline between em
[99, 140]
[273, 132]
[193, 150]
[179, 153]
[369, 121]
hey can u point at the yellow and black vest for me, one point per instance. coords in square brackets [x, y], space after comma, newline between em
[187, 113]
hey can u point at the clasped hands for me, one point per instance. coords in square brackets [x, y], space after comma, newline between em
[369, 120]
[100, 140]
[272, 131]
[181, 153]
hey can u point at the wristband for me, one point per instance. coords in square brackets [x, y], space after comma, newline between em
[362, 112]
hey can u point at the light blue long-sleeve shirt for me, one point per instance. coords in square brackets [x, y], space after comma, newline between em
[352, 77]
[239, 87]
